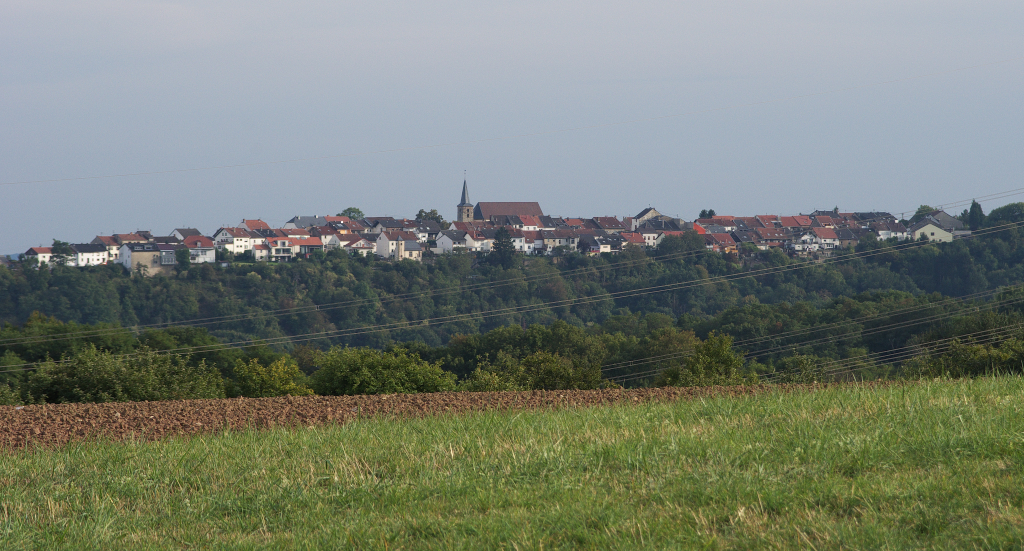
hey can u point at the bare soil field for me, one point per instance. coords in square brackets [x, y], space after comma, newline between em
[58, 424]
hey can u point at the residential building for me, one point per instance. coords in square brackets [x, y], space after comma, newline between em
[238, 240]
[387, 242]
[889, 229]
[111, 243]
[302, 222]
[931, 230]
[144, 258]
[254, 225]
[40, 254]
[88, 254]
[201, 249]
[450, 241]
[182, 233]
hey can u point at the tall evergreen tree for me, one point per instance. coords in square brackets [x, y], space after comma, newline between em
[975, 216]
[503, 251]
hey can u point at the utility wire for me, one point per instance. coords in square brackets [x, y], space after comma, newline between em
[527, 308]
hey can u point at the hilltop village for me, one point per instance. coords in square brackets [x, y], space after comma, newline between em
[477, 227]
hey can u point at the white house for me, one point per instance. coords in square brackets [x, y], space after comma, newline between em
[237, 240]
[352, 243]
[89, 254]
[450, 240]
[388, 240]
[41, 254]
[201, 249]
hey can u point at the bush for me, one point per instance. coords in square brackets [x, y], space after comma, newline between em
[800, 368]
[280, 378]
[713, 362]
[970, 360]
[97, 376]
[349, 371]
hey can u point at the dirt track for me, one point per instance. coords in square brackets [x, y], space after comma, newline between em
[58, 424]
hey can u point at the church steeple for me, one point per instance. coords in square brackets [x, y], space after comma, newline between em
[465, 196]
[465, 208]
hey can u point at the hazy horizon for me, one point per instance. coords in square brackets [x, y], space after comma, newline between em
[104, 87]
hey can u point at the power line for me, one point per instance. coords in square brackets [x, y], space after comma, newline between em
[874, 330]
[567, 302]
[513, 136]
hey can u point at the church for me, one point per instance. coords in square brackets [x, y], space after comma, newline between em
[488, 211]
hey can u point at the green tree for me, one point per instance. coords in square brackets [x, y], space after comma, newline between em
[61, 252]
[503, 251]
[353, 213]
[280, 378]
[350, 371]
[546, 371]
[183, 258]
[975, 216]
[1006, 214]
[431, 215]
[707, 213]
[922, 211]
[713, 362]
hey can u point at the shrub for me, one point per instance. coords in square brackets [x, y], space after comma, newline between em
[280, 378]
[713, 362]
[348, 371]
[98, 376]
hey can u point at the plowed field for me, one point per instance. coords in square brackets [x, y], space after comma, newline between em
[58, 424]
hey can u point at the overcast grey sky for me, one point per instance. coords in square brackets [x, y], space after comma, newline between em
[107, 87]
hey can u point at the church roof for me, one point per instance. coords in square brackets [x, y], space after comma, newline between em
[484, 211]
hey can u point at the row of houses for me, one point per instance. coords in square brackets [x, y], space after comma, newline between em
[477, 227]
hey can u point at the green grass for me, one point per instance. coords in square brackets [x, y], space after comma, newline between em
[935, 465]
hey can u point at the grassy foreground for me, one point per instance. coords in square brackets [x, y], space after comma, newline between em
[935, 465]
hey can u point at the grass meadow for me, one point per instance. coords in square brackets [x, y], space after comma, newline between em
[932, 465]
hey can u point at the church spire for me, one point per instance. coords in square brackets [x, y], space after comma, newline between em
[465, 196]
[464, 210]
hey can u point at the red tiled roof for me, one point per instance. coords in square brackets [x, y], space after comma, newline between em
[198, 241]
[235, 232]
[39, 250]
[751, 221]
[770, 233]
[399, 234]
[825, 233]
[529, 220]
[255, 224]
[308, 241]
[606, 222]
[792, 222]
[107, 240]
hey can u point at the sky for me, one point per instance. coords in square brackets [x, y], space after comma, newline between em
[376, 93]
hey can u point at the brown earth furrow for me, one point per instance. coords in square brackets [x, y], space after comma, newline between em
[59, 424]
